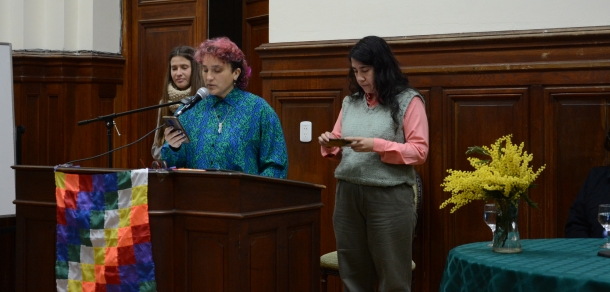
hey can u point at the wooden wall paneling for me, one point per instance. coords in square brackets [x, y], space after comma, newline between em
[255, 33]
[263, 254]
[433, 232]
[289, 245]
[577, 127]
[38, 250]
[28, 116]
[536, 218]
[478, 117]
[206, 247]
[53, 91]
[7, 252]
[301, 241]
[305, 162]
[422, 236]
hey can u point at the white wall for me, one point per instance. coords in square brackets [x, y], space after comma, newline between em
[62, 25]
[315, 20]
[7, 155]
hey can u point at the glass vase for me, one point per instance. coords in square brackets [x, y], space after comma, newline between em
[506, 236]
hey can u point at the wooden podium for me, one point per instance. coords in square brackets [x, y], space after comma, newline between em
[210, 231]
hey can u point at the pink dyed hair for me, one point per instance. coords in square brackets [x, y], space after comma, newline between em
[226, 50]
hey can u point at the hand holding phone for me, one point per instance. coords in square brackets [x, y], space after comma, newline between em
[171, 121]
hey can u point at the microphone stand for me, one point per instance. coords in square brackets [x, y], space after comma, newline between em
[109, 119]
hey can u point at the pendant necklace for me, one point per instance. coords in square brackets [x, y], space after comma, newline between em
[223, 120]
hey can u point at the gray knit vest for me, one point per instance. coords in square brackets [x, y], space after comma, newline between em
[359, 120]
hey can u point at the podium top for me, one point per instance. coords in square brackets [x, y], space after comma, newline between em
[185, 172]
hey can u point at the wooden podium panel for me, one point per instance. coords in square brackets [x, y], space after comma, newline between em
[210, 231]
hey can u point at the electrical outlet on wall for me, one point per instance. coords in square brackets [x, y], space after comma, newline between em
[305, 132]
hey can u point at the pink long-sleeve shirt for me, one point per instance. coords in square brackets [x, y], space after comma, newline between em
[413, 152]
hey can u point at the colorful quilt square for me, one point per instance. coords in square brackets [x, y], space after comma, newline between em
[62, 234]
[140, 233]
[97, 237]
[98, 183]
[130, 287]
[74, 253]
[111, 200]
[86, 255]
[126, 255]
[150, 286]
[99, 255]
[111, 257]
[124, 199]
[85, 183]
[124, 180]
[73, 235]
[111, 236]
[71, 182]
[99, 274]
[60, 179]
[113, 288]
[71, 217]
[139, 215]
[146, 271]
[70, 199]
[100, 287]
[111, 273]
[111, 219]
[139, 195]
[61, 270]
[143, 252]
[129, 274]
[97, 219]
[85, 237]
[60, 195]
[74, 271]
[74, 285]
[88, 287]
[60, 215]
[83, 219]
[98, 200]
[84, 200]
[61, 251]
[88, 272]
[125, 238]
[61, 285]
[111, 182]
[124, 217]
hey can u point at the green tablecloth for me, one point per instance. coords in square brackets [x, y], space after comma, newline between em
[557, 264]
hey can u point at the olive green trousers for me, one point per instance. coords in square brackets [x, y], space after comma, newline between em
[374, 232]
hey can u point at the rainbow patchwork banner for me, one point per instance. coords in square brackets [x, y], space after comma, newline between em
[103, 233]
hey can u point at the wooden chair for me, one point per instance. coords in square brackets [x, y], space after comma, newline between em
[329, 264]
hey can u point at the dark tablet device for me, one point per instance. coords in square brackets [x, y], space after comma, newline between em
[338, 142]
[171, 121]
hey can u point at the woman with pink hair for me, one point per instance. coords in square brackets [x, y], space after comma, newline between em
[231, 129]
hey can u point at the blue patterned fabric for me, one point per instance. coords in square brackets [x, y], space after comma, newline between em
[557, 264]
[251, 139]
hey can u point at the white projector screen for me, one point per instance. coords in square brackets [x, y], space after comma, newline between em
[7, 132]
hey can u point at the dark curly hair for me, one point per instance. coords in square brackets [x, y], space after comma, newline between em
[389, 80]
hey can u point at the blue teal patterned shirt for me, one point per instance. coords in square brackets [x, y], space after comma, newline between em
[251, 139]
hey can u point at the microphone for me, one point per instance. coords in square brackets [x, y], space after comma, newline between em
[201, 93]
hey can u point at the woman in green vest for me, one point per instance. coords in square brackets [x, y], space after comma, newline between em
[384, 121]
